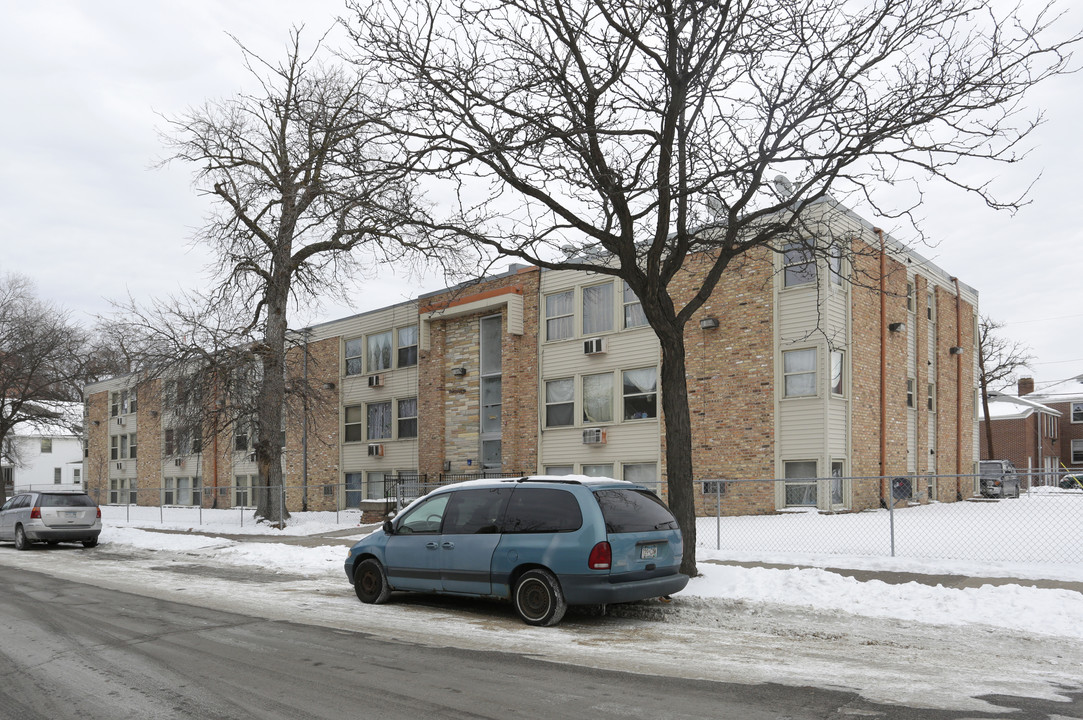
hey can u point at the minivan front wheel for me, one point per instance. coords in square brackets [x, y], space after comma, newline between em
[370, 582]
[539, 599]
[21, 543]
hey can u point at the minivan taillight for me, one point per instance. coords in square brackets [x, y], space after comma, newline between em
[35, 514]
[99, 512]
[601, 556]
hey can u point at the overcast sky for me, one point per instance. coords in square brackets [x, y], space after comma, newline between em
[87, 216]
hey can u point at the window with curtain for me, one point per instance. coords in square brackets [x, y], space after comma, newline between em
[408, 418]
[559, 317]
[799, 371]
[407, 346]
[379, 351]
[559, 402]
[836, 372]
[379, 417]
[640, 394]
[598, 309]
[598, 398]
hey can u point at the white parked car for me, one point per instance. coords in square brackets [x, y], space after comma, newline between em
[50, 517]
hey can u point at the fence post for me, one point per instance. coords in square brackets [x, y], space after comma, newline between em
[718, 515]
[891, 514]
[281, 506]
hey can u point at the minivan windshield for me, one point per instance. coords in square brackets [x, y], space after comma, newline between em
[630, 511]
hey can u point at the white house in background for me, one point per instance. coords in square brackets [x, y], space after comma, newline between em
[44, 454]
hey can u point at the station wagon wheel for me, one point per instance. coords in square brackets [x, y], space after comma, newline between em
[370, 583]
[90, 543]
[539, 599]
[21, 543]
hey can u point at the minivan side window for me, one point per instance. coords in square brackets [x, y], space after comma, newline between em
[541, 510]
[425, 518]
[475, 512]
[629, 511]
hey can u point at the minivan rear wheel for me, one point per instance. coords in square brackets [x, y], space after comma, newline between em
[539, 599]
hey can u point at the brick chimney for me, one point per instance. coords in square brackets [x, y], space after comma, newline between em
[1026, 386]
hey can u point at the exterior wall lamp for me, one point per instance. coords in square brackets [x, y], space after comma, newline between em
[897, 327]
[708, 323]
[458, 372]
[328, 386]
[955, 350]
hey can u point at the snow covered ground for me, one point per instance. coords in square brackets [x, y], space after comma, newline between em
[914, 643]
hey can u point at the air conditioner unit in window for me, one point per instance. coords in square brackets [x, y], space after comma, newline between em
[120, 466]
[178, 462]
[251, 457]
[376, 380]
[120, 421]
[594, 436]
[594, 346]
[376, 450]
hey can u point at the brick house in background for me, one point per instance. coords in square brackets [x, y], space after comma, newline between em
[826, 371]
[1039, 429]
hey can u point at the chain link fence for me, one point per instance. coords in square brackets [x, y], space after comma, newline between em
[1029, 517]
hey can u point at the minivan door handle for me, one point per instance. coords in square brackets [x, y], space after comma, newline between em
[449, 545]
[431, 545]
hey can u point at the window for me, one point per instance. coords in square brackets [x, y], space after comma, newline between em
[558, 316]
[124, 402]
[642, 473]
[558, 470]
[1050, 426]
[799, 265]
[640, 394]
[932, 397]
[633, 511]
[490, 332]
[601, 470]
[242, 486]
[354, 424]
[114, 446]
[167, 491]
[379, 421]
[633, 309]
[46, 445]
[837, 474]
[598, 309]
[408, 418]
[909, 392]
[407, 346]
[598, 398]
[1077, 452]
[910, 297]
[559, 402]
[123, 446]
[355, 357]
[425, 518]
[378, 349]
[114, 404]
[133, 405]
[58, 476]
[799, 372]
[1077, 412]
[76, 475]
[803, 493]
[541, 510]
[930, 307]
[170, 445]
[131, 446]
[240, 437]
[475, 512]
[836, 372]
[834, 264]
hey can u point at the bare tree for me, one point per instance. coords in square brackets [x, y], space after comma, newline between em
[40, 358]
[645, 134]
[998, 360]
[298, 175]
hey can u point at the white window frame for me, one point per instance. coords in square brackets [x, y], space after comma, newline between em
[564, 321]
[353, 420]
[405, 418]
[605, 322]
[1076, 411]
[405, 344]
[379, 352]
[608, 418]
[798, 262]
[1077, 452]
[786, 375]
[648, 394]
[372, 427]
[353, 351]
[634, 316]
[563, 384]
[838, 385]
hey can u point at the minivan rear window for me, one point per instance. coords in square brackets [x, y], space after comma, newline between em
[57, 500]
[540, 510]
[630, 511]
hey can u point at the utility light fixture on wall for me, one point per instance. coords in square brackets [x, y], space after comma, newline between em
[955, 350]
[708, 323]
[458, 372]
[897, 327]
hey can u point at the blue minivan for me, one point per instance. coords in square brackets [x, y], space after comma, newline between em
[542, 542]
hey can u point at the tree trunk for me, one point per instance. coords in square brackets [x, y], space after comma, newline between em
[271, 505]
[678, 429]
[985, 404]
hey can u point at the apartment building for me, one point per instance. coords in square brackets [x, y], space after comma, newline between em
[829, 371]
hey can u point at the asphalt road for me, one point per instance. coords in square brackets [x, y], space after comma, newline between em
[71, 650]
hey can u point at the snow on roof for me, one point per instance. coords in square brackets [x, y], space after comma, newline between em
[1070, 390]
[1009, 407]
[68, 415]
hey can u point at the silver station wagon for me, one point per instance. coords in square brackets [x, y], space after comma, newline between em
[50, 517]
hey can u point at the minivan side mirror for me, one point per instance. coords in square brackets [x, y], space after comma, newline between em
[389, 528]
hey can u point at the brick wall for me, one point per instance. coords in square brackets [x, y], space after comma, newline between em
[322, 431]
[96, 463]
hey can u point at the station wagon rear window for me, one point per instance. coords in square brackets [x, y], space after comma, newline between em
[630, 511]
[55, 500]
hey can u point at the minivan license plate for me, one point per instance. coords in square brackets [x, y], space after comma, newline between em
[649, 552]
